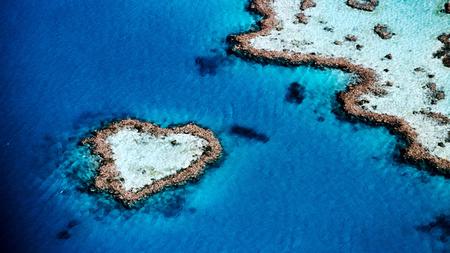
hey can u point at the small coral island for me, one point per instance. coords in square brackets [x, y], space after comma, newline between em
[139, 159]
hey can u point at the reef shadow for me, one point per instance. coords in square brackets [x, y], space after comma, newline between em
[248, 133]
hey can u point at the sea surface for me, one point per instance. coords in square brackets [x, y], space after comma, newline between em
[317, 184]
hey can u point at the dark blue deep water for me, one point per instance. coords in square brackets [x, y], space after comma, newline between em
[319, 184]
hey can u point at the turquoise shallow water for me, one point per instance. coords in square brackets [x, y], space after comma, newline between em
[318, 185]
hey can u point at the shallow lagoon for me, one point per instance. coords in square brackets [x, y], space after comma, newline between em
[318, 184]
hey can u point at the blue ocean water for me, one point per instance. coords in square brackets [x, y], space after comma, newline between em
[319, 184]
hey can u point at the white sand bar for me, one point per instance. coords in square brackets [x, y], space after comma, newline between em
[416, 25]
[142, 158]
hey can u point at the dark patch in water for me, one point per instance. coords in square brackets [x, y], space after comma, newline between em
[63, 235]
[424, 178]
[321, 119]
[296, 93]
[397, 154]
[376, 158]
[73, 223]
[170, 204]
[440, 226]
[82, 175]
[248, 133]
[208, 65]
[106, 205]
[46, 161]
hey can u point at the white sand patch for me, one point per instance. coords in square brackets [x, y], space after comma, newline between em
[416, 25]
[142, 158]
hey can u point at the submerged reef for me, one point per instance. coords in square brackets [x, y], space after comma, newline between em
[296, 93]
[390, 74]
[138, 159]
[210, 64]
[440, 225]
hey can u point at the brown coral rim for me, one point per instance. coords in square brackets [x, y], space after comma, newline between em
[348, 99]
[108, 177]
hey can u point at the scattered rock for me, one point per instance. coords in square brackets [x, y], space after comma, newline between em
[447, 7]
[419, 69]
[359, 47]
[446, 61]
[248, 133]
[434, 93]
[363, 101]
[306, 4]
[337, 42]
[350, 37]
[302, 18]
[388, 56]
[383, 31]
[439, 95]
[365, 5]
[444, 38]
[296, 93]
[279, 26]
[444, 51]
[432, 86]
